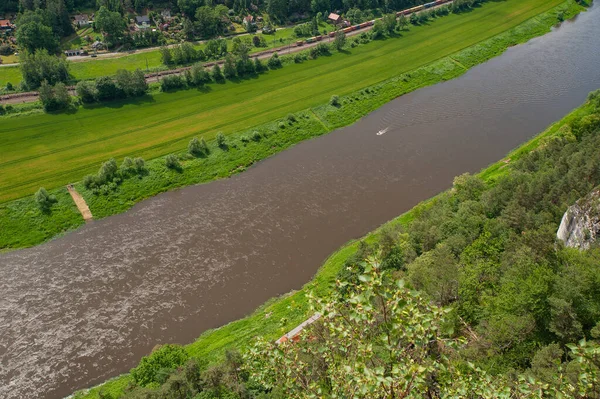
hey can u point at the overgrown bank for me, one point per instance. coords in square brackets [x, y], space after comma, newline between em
[245, 148]
[502, 235]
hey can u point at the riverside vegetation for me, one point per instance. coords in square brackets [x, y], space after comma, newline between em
[503, 309]
[233, 106]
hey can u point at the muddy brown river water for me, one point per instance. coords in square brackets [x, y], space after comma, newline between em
[87, 306]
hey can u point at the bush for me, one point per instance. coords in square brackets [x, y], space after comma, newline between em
[86, 91]
[140, 165]
[256, 136]
[54, 98]
[172, 162]
[340, 39]
[198, 75]
[106, 88]
[127, 166]
[88, 181]
[258, 65]
[43, 199]
[229, 70]
[172, 82]
[274, 62]
[221, 139]
[6, 49]
[195, 147]
[291, 118]
[335, 101]
[217, 75]
[166, 357]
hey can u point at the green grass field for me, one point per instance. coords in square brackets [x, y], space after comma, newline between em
[92, 68]
[52, 150]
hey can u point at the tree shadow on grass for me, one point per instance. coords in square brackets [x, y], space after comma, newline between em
[142, 100]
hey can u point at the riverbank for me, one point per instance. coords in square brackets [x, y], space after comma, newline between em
[245, 148]
[241, 332]
[278, 315]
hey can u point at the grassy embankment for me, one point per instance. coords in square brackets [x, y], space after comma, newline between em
[287, 311]
[52, 150]
[92, 68]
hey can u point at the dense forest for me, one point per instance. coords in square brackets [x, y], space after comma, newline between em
[474, 297]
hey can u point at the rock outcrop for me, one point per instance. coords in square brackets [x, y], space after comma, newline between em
[580, 225]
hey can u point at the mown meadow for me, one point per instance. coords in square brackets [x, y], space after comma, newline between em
[51, 150]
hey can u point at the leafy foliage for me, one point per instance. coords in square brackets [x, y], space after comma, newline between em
[166, 357]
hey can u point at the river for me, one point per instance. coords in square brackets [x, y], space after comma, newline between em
[87, 306]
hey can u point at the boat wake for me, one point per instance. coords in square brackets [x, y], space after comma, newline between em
[383, 131]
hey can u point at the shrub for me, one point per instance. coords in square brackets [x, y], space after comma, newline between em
[229, 70]
[291, 118]
[195, 147]
[298, 58]
[258, 65]
[43, 199]
[172, 82]
[274, 62]
[198, 75]
[54, 98]
[340, 39]
[217, 75]
[88, 181]
[127, 166]
[106, 88]
[335, 101]
[281, 125]
[166, 357]
[6, 49]
[140, 165]
[107, 172]
[172, 162]
[256, 136]
[86, 91]
[9, 86]
[221, 139]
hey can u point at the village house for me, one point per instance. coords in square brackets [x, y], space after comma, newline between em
[142, 22]
[334, 18]
[81, 20]
[5, 24]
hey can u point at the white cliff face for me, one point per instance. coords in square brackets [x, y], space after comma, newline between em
[580, 225]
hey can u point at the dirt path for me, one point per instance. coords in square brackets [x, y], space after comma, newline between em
[81, 204]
